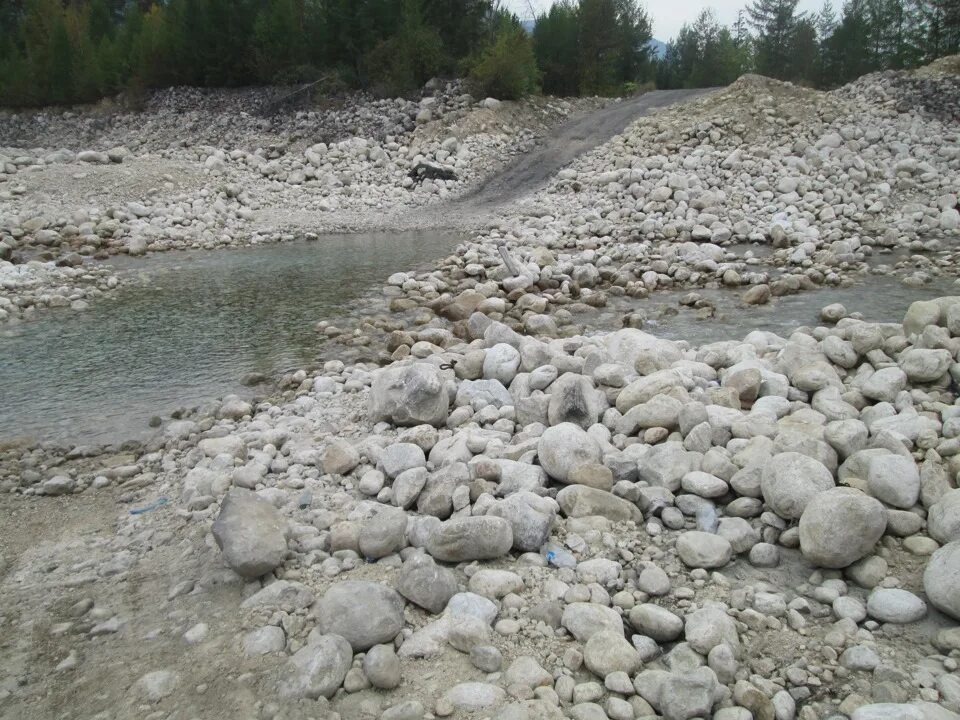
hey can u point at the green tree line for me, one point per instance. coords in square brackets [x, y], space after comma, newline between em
[74, 51]
[820, 49]
[57, 51]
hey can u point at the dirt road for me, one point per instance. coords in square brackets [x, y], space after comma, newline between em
[571, 140]
[527, 174]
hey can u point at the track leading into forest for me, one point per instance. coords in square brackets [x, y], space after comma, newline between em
[578, 135]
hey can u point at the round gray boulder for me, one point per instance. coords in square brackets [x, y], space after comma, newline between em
[365, 613]
[941, 579]
[704, 550]
[383, 534]
[530, 516]
[471, 538]
[608, 651]
[564, 447]
[894, 605]
[584, 620]
[427, 584]
[894, 480]
[840, 526]
[943, 519]
[251, 533]
[790, 480]
[382, 667]
[318, 669]
[656, 622]
[414, 394]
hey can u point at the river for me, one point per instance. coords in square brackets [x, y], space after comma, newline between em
[191, 324]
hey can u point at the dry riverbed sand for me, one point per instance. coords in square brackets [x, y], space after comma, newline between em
[519, 517]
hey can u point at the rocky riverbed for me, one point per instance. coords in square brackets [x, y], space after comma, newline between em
[211, 169]
[522, 516]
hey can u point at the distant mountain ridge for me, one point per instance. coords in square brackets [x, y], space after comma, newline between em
[658, 48]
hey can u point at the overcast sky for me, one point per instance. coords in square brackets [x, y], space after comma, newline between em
[668, 15]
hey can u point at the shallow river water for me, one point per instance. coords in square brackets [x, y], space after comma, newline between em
[878, 298]
[194, 323]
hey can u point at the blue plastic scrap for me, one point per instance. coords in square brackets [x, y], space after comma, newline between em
[159, 502]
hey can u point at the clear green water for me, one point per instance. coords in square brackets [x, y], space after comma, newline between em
[194, 323]
[187, 330]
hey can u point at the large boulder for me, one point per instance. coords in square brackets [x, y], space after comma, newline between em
[414, 394]
[226, 445]
[317, 669]
[885, 384]
[251, 533]
[941, 579]
[565, 447]
[501, 363]
[791, 480]
[608, 651]
[710, 626]
[647, 387]
[384, 533]
[471, 538]
[427, 584]
[840, 526]
[583, 501]
[943, 519]
[339, 457]
[584, 620]
[365, 613]
[400, 457]
[631, 346]
[895, 605]
[703, 550]
[573, 399]
[381, 666]
[656, 622]
[894, 480]
[687, 695]
[924, 365]
[666, 464]
[480, 393]
[919, 315]
[530, 516]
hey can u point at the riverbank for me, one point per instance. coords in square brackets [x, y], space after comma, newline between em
[193, 170]
[812, 205]
[669, 477]
[530, 514]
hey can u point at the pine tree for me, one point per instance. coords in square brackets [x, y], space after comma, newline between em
[741, 35]
[276, 35]
[508, 68]
[59, 75]
[704, 54]
[405, 61]
[555, 43]
[846, 53]
[826, 21]
[635, 63]
[774, 22]
[937, 29]
[803, 51]
[613, 45]
[597, 44]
